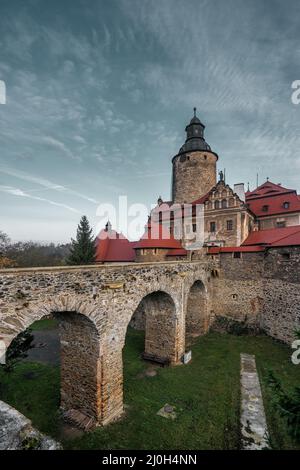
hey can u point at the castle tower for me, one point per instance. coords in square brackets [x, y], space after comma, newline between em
[194, 167]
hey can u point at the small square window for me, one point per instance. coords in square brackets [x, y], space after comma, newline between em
[212, 227]
[237, 254]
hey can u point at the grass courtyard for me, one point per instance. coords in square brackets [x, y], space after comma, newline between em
[206, 394]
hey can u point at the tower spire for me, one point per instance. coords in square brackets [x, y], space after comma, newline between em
[195, 110]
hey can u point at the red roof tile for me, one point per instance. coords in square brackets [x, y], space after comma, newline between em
[113, 247]
[157, 236]
[286, 236]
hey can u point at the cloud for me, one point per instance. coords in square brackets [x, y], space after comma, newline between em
[57, 144]
[20, 193]
[44, 183]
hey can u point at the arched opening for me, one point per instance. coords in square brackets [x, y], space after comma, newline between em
[53, 374]
[196, 321]
[156, 315]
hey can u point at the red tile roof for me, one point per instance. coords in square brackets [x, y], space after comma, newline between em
[267, 189]
[269, 198]
[157, 236]
[113, 247]
[287, 236]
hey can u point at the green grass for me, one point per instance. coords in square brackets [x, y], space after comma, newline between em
[204, 392]
[45, 324]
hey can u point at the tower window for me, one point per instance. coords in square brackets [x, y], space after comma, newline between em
[229, 224]
[212, 227]
[194, 228]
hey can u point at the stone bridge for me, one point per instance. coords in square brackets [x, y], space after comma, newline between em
[94, 306]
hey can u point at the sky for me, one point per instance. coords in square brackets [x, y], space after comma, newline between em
[98, 94]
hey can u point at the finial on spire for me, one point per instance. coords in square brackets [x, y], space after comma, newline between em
[108, 226]
[248, 187]
[195, 110]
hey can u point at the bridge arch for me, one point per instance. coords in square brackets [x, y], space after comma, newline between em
[158, 313]
[80, 362]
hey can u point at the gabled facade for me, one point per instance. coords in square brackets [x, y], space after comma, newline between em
[274, 206]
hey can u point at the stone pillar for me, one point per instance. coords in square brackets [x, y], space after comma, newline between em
[111, 386]
[80, 369]
[162, 329]
[197, 321]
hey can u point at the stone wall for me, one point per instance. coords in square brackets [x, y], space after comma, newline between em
[260, 289]
[281, 314]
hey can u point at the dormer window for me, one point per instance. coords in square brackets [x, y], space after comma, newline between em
[286, 205]
[265, 208]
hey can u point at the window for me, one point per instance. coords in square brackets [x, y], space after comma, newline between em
[280, 224]
[229, 224]
[286, 205]
[194, 228]
[237, 254]
[234, 296]
[217, 205]
[224, 204]
[265, 208]
[212, 227]
[285, 256]
[187, 229]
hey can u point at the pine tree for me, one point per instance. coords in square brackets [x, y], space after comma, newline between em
[83, 249]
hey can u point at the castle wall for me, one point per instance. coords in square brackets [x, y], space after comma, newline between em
[282, 293]
[238, 290]
[260, 289]
[194, 174]
[150, 255]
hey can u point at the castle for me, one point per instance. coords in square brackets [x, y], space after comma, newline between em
[233, 220]
[245, 274]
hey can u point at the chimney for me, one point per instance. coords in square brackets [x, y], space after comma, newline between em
[240, 191]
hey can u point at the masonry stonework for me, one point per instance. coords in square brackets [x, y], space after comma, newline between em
[95, 305]
[107, 297]
[194, 174]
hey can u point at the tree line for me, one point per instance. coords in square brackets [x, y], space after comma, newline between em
[81, 250]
